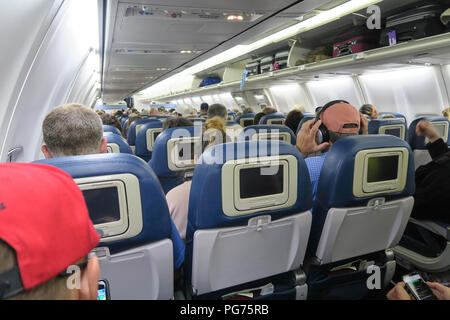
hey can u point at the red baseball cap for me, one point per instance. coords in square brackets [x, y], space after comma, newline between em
[341, 117]
[44, 218]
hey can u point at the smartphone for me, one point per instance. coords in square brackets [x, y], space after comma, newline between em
[103, 290]
[416, 286]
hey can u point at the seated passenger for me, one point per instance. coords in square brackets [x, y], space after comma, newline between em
[204, 108]
[293, 118]
[111, 121]
[154, 111]
[183, 110]
[178, 197]
[369, 110]
[446, 113]
[247, 110]
[399, 292]
[177, 122]
[218, 110]
[300, 108]
[341, 120]
[44, 235]
[258, 117]
[72, 129]
[133, 117]
[432, 179]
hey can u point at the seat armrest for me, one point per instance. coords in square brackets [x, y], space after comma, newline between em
[439, 229]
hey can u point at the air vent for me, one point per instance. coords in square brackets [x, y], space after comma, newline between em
[189, 14]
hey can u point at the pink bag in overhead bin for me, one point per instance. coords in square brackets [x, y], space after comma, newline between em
[356, 40]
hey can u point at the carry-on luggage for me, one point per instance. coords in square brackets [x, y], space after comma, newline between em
[319, 54]
[266, 64]
[253, 68]
[356, 40]
[281, 60]
[210, 81]
[417, 23]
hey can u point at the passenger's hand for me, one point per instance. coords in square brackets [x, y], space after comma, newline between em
[364, 124]
[425, 128]
[306, 138]
[399, 292]
[440, 291]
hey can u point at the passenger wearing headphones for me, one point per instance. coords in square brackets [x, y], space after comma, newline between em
[336, 120]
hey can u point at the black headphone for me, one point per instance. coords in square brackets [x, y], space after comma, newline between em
[323, 135]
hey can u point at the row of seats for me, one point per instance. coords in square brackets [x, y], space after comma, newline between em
[252, 222]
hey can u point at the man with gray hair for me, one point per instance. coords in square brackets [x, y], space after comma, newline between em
[218, 110]
[72, 129]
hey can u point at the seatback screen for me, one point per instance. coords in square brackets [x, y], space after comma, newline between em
[393, 132]
[253, 184]
[248, 122]
[155, 135]
[186, 151]
[277, 122]
[382, 168]
[102, 204]
[440, 129]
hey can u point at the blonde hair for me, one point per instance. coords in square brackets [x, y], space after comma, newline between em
[299, 107]
[446, 113]
[214, 132]
[53, 289]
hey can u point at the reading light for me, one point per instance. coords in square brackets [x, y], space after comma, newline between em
[186, 51]
[232, 17]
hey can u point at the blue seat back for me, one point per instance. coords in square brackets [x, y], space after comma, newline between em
[111, 129]
[362, 173]
[221, 227]
[154, 214]
[419, 142]
[396, 115]
[146, 138]
[169, 173]
[276, 118]
[245, 119]
[305, 119]
[134, 129]
[117, 143]
[262, 132]
[389, 126]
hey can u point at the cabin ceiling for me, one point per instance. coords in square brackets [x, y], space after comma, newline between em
[141, 49]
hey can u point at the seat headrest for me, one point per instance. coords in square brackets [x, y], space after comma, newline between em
[360, 168]
[168, 141]
[108, 128]
[117, 143]
[141, 199]
[135, 127]
[305, 119]
[394, 127]
[441, 124]
[146, 137]
[245, 117]
[219, 197]
[273, 118]
[396, 115]
[263, 131]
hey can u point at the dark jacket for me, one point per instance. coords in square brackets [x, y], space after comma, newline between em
[432, 196]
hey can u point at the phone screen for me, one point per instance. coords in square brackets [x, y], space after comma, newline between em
[418, 288]
[102, 292]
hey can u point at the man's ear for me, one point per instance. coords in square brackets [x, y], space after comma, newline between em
[89, 280]
[46, 152]
[104, 146]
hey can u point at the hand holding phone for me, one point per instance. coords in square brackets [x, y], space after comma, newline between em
[103, 290]
[417, 287]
